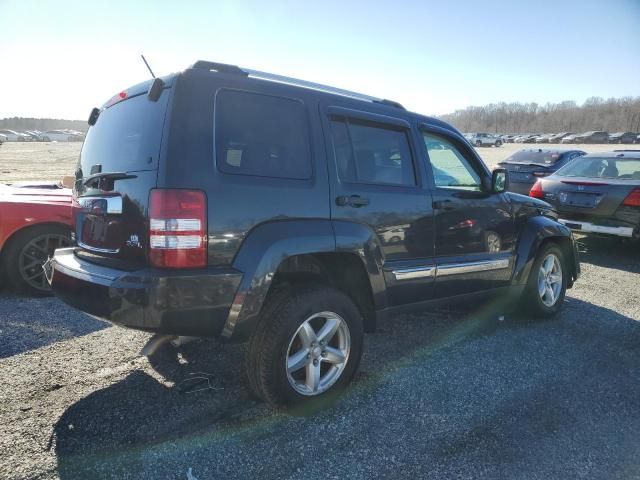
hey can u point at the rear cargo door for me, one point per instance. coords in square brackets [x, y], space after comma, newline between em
[117, 169]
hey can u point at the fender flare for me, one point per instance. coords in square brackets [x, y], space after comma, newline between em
[269, 244]
[539, 229]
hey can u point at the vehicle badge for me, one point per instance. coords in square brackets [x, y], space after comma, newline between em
[134, 241]
[580, 187]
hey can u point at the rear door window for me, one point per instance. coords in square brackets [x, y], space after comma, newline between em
[372, 153]
[261, 135]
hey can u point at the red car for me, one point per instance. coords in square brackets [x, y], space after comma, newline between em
[35, 219]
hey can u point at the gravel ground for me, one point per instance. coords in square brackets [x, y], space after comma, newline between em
[448, 394]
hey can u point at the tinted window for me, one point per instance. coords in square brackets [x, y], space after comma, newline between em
[542, 158]
[450, 168]
[261, 135]
[602, 168]
[126, 136]
[368, 152]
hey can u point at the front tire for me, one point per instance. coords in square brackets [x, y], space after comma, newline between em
[547, 285]
[307, 345]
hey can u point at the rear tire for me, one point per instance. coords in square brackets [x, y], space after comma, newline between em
[547, 285]
[27, 252]
[288, 348]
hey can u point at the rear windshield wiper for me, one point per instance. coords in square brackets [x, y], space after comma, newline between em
[112, 176]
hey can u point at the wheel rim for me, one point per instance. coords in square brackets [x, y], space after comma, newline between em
[493, 243]
[33, 256]
[318, 353]
[550, 280]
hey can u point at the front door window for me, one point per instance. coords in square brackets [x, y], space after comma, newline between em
[450, 168]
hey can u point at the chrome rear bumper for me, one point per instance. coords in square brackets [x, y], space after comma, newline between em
[588, 227]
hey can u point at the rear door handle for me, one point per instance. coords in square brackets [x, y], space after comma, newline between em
[355, 201]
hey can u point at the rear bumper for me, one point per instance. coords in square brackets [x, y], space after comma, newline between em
[185, 302]
[588, 227]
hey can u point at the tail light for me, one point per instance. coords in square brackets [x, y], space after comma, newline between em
[177, 228]
[633, 199]
[536, 191]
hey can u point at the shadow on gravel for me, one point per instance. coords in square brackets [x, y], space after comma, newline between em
[443, 394]
[27, 323]
[611, 253]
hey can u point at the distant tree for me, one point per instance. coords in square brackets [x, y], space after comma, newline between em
[596, 113]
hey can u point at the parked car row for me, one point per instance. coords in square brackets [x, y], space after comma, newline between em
[595, 136]
[38, 136]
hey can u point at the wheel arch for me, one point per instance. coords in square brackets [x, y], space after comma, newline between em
[342, 254]
[11, 238]
[538, 232]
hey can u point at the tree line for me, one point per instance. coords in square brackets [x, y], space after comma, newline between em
[596, 113]
[42, 124]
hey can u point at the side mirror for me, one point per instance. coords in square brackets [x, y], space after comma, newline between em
[499, 180]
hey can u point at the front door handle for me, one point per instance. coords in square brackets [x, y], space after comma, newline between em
[442, 205]
[355, 201]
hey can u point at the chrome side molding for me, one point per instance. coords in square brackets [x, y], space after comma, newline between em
[413, 273]
[450, 269]
[472, 267]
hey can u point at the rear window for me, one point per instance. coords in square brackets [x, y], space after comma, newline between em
[262, 135]
[541, 158]
[620, 168]
[126, 137]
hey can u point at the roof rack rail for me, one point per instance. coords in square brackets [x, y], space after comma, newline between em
[218, 67]
[272, 77]
[391, 103]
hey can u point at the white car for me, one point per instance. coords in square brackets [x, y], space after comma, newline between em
[13, 136]
[58, 136]
[484, 140]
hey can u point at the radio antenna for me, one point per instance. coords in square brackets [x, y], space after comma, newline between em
[147, 64]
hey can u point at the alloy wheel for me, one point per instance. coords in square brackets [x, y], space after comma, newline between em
[550, 280]
[318, 353]
[34, 254]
